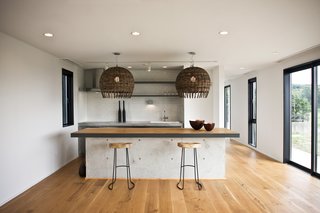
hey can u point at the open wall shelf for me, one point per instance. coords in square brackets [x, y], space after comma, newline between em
[149, 89]
[154, 95]
[154, 82]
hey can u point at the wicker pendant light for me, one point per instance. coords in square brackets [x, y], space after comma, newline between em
[193, 82]
[116, 82]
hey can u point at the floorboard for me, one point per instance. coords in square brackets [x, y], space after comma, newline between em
[254, 183]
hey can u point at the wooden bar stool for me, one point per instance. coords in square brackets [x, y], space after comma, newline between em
[116, 146]
[193, 146]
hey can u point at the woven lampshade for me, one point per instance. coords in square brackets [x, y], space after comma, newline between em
[116, 82]
[193, 82]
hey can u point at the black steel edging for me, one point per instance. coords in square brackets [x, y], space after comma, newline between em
[142, 135]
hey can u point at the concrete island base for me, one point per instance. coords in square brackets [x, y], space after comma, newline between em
[155, 157]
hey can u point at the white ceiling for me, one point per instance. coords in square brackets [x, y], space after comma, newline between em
[89, 31]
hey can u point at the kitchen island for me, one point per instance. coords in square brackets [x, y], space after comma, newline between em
[128, 124]
[154, 153]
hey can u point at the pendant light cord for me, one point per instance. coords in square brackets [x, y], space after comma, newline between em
[116, 55]
[192, 61]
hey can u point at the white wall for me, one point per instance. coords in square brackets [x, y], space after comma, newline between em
[269, 106]
[33, 143]
[105, 109]
[218, 96]
[206, 108]
[82, 107]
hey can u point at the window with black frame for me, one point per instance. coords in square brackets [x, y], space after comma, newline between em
[67, 98]
[252, 112]
[227, 107]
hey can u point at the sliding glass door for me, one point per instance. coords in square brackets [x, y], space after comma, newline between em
[300, 96]
[301, 117]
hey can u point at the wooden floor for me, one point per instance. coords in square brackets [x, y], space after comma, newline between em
[254, 183]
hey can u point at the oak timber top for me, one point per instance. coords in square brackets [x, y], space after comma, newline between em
[154, 132]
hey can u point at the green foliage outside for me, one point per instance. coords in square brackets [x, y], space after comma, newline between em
[300, 103]
[300, 113]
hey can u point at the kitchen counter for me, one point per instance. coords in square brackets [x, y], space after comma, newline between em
[154, 132]
[132, 124]
[154, 152]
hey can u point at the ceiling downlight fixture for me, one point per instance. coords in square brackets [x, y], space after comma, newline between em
[135, 33]
[48, 35]
[116, 82]
[223, 32]
[193, 82]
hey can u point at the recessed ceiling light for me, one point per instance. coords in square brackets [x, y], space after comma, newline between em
[275, 52]
[243, 68]
[129, 67]
[49, 35]
[164, 67]
[223, 32]
[135, 33]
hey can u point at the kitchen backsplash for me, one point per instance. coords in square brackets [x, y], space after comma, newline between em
[102, 109]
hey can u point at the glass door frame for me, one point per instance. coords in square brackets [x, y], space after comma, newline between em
[314, 115]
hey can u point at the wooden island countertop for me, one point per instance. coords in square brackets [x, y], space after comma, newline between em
[154, 132]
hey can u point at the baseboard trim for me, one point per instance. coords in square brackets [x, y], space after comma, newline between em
[255, 149]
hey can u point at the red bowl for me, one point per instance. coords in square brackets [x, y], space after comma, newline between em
[209, 126]
[197, 124]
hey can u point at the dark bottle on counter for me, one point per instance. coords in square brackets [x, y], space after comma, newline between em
[124, 113]
[119, 112]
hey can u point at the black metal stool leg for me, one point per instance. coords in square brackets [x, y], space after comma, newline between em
[196, 171]
[129, 181]
[182, 163]
[114, 171]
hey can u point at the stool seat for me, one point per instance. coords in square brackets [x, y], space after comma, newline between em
[120, 145]
[189, 145]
